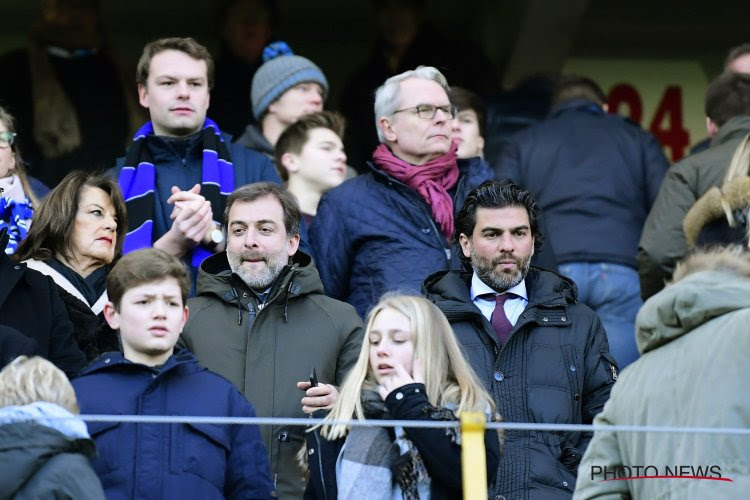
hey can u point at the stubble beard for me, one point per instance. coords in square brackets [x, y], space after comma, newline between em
[499, 281]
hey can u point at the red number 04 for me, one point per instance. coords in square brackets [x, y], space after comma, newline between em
[667, 124]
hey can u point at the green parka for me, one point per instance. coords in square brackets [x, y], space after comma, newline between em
[694, 370]
[266, 347]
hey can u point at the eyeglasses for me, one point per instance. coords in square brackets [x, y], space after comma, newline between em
[427, 111]
[6, 139]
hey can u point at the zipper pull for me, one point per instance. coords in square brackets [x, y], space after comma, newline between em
[448, 254]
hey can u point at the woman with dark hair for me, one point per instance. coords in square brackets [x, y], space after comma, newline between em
[77, 235]
[19, 194]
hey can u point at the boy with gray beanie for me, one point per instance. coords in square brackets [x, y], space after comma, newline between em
[284, 88]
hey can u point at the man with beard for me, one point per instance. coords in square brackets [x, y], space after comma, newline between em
[543, 356]
[261, 320]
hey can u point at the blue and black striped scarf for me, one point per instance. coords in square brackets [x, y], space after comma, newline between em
[138, 182]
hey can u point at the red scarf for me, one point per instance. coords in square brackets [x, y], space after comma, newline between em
[431, 180]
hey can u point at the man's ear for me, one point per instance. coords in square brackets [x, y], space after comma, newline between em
[386, 127]
[293, 244]
[111, 315]
[143, 95]
[290, 162]
[465, 243]
[711, 127]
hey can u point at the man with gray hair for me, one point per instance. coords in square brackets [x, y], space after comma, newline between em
[392, 227]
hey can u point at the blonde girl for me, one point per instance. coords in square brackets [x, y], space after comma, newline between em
[410, 368]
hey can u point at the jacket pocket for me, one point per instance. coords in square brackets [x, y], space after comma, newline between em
[201, 449]
[106, 436]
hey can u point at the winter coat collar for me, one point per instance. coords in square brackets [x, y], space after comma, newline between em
[66, 285]
[181, 359]
[577, 105]
[253, 138]
[689, 303]
[546, 289]
[734, 128]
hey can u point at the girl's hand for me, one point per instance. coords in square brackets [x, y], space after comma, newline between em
[401, 378]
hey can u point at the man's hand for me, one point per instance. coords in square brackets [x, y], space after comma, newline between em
[191, 221]
[317, 398]
[401, 378]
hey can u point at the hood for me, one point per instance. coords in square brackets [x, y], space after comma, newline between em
[688, 304]
[47, 414]
[299, 278]
[25, 446]
[253, 138]
[452, 290]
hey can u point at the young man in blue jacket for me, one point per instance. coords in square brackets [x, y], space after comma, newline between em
[180, 167]
[147, 291]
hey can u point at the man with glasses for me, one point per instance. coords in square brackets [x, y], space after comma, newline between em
[392, 227]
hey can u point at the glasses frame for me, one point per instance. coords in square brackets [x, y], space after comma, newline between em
[452, 110]
[9, 137]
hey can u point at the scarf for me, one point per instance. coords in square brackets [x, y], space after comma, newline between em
[16, 212]
[138, 182]
[431, 180]
[370, 461]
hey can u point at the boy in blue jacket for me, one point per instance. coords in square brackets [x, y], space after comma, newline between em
[147, 291]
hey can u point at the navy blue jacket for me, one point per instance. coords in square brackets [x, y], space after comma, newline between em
[595, 177]
[154, 460]
[374, 234]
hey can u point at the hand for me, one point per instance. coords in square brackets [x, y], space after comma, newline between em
[317, 398]
[192, 217]
[401, 378]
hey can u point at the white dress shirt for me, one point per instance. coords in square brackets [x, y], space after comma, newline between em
[513, 306]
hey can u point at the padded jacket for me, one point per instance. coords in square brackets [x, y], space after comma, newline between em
[156, 460]
[374, 234]
[554, 368]
[266, 346]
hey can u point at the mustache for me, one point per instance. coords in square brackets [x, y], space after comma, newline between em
[505, 257]
[252, 256]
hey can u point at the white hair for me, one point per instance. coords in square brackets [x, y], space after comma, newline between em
[388, 95]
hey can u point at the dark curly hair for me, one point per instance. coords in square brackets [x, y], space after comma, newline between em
[498, 194]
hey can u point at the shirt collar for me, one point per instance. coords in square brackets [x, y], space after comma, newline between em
[479, 287]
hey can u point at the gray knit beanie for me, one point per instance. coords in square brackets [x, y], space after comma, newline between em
[281, 70]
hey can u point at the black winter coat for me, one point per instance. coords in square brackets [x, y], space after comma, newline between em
[554, 368]
[441, 455]
[30, 303]
[374, 234]
[40, 462]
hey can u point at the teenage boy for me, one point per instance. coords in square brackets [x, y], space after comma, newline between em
[311, 159]
[147, 291]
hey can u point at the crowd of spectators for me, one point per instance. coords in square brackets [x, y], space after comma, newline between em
[252, 254]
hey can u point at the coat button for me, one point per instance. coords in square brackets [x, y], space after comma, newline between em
[545, 319]
[399, 396]
[572, 368]
[426, 230]
[499, 376]
[16, 267]
[576, 396]
[311, 451]
[565, 483]
[564, 318]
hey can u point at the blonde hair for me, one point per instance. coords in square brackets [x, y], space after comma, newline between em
[27, 380]
[449, 379]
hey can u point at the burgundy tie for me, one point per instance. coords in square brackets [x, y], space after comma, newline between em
[499, 320]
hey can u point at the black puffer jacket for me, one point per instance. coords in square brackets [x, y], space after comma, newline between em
[40, 462]
[437, 448]
[555, 368]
